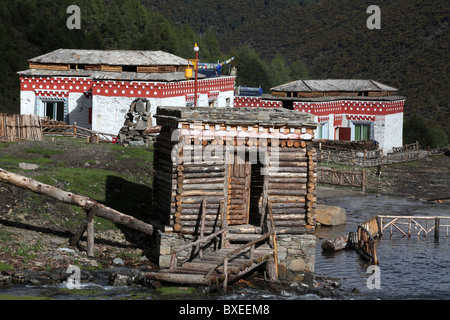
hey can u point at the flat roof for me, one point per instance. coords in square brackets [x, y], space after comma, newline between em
[231, 115]
[107, 75]
[111, 57]
[333, 98]
[346, 85]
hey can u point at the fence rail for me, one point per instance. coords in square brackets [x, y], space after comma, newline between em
[76, 131]
[20, 127]
[407, 147]
[363, 241]
[372, 158]
[342, 178]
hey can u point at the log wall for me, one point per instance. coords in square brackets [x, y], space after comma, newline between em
[291, 187]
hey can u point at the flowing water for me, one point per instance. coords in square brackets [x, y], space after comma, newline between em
[409, 268]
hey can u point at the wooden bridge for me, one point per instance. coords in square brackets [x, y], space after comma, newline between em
[364, 239]
[216, 268]
[230, 262]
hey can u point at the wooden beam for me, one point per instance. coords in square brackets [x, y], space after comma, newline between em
[74, 199]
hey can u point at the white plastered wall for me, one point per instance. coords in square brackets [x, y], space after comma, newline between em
[27, 102]
[108, 113]
[78, 108]
[388, 131]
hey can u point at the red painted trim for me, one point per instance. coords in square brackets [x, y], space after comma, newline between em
[241, 102]
[351, 107]
[340, 107]
[210, 86]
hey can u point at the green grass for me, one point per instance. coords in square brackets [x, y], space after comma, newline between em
[175, 291]
[117, 177]
[142, 155]
[82, 181]
[8, 161]
[5, 267]
[43, 152]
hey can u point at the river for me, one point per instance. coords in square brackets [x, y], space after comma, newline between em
[409, 268]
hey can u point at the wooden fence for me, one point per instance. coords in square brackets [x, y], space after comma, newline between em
[406, 224]
[407, 147]
[76, 131]
[363, 241]
[363, 158]
[20, 127]
[342, 178]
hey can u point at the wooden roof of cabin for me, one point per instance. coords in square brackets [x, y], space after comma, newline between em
[244, 116]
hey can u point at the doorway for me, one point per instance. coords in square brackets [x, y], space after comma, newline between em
[245, 192]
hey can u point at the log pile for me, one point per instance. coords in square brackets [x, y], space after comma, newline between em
[359, 145]
[19, 127]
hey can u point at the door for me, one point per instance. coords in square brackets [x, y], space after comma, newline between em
[345, 133]
[238, 192]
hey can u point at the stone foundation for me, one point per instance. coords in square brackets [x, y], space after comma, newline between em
[173, 241]
[296, 253]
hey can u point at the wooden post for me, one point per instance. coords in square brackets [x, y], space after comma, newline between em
[272, 264]
[74, 129]
[225, 272]
[363, 182]
[90, 232]
[202, 228]
[436, 228]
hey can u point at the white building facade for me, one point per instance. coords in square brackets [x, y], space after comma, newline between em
[345, 109]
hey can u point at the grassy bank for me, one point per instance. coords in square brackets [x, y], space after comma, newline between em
[117, 176]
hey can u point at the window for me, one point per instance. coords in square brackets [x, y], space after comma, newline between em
[54, 110]
[322, 131]
[213, 103]
[362, 132]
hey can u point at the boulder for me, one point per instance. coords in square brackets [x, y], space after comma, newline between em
[336, 244]
[330, 215]
[28, 166]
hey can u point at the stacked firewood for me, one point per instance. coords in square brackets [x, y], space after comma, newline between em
[359, 145]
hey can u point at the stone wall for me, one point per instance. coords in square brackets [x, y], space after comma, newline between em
[137, 120]
[296, 253]
[171, 241]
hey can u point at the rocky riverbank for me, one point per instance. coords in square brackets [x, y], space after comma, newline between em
[35, 230]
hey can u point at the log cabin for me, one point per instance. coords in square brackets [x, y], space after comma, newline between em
[248, 159]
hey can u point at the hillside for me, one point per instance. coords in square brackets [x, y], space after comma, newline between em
[273, 41]
[410, 52]
[221, 16]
